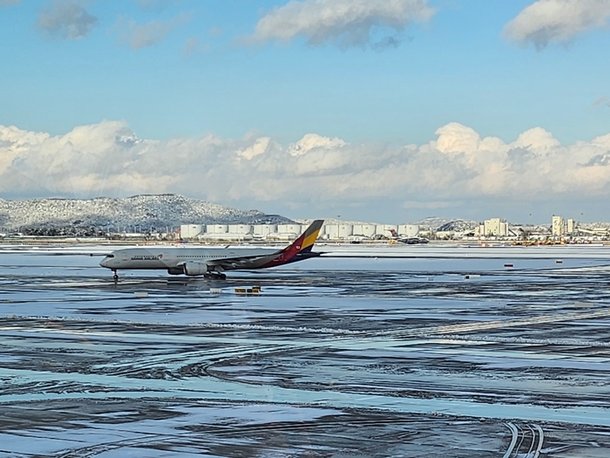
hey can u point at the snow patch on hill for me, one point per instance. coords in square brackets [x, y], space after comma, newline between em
[143, 212]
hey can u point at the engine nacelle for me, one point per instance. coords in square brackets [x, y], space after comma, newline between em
[193, 269]
[176, 270]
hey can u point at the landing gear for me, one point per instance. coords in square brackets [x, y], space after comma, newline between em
[214, 275]
[115, 276]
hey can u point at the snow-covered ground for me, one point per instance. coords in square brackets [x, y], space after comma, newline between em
[436, 354]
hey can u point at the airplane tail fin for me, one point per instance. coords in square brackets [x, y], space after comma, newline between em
[309, 237]
[301, 246]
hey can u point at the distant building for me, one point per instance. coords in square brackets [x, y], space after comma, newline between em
[189, 231]
[216, 229]
[408, 230]
[385, 229]
[557, 226]
[287, 231]
[263, 231]
[571, 227]
[494, 227]
[338, 231]
[239, 229]
[363, 230]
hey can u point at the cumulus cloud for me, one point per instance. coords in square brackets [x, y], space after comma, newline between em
[66, 19]
[108, 158]
[260, 146]
[557, 21]
[314, 142]
[455, 138]
[536, 139]
[344, 22]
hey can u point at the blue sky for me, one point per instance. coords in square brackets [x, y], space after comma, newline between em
[370, 109]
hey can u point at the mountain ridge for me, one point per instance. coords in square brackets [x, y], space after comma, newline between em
[145, 212]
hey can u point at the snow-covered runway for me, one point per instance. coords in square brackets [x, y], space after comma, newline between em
[404, 356]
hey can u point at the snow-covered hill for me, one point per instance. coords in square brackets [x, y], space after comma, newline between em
[142, 212]
[443, 224]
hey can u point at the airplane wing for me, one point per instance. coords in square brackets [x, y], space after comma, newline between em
[243, 262]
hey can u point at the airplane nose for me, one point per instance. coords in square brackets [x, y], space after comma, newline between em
[106, 262]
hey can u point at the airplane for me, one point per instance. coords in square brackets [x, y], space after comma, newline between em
[407, 240]
[212, 262]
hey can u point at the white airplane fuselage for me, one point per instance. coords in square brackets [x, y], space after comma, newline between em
[194, 261]
[172, 258]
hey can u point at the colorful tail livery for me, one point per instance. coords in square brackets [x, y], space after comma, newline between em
[212, 262]
[301, 248]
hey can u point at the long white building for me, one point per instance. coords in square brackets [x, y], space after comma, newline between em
[285, 232]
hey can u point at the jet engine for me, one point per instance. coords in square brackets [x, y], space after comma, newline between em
[190, 268]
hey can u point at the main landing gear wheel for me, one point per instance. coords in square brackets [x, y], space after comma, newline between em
[115, 276]
[215, 276]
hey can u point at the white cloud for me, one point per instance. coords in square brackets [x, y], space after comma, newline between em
[602, 141]
[536, 139]
[260, 146]
[139, 36]
[557, 21]
[66, 19]
[344, 22]
[456, 138]
[311, 142]
[109, 159]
